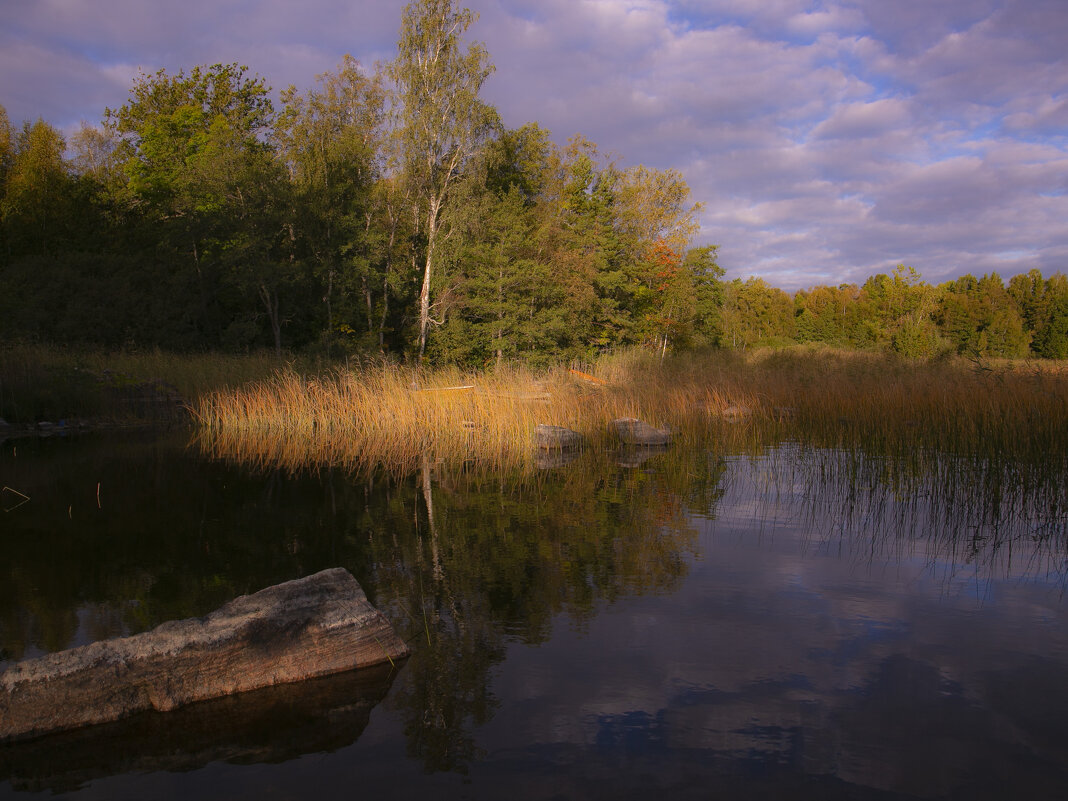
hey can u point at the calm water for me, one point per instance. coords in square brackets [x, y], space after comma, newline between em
[784, 623]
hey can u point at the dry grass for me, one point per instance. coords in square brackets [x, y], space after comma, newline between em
[44, 382]
[384, 415]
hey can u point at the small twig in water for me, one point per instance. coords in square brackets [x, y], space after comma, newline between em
[25, 499]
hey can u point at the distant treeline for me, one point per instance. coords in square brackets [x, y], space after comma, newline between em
[388, 211]
[901, 312]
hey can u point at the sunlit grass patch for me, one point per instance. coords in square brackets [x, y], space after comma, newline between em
[390, 415]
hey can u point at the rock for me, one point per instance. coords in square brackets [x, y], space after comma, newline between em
[314, 626]
[556, 437]
[736, 412]
[637, 432]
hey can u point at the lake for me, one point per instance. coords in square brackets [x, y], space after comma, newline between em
[754, 618]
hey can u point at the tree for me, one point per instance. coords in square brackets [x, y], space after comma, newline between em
[96, 154]
[1052, 339]
[980, 318]
[510, 290]
[330, 141]
[655, 223]
[755, 313]
[707, 279]
[201, 173]
[37, 203]
[443, 119]
[901, 306]
[7, 147]
[577, 237]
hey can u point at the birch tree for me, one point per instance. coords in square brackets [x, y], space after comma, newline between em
[442, 120]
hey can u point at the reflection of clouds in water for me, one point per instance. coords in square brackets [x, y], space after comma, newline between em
[873, 512]
[906, 665]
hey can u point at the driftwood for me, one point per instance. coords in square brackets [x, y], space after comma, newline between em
[590, 379]
[637, 432]
[556, 437]
[315, 626]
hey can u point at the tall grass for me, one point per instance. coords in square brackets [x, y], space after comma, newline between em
[387, 415]
[45, 382]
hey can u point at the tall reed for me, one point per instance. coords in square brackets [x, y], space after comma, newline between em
[47, 382]
[388, 415]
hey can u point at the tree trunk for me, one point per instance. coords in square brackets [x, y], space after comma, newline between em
[424, 293]
[393, 212]
[270, 302]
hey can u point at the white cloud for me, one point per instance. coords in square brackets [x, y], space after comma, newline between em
[864, 120]
[828, 139]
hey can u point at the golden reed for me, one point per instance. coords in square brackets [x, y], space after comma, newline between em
[394, 417]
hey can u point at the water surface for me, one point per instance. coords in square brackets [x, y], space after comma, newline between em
[776, 621]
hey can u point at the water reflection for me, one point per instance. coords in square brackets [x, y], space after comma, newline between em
[808, 655]
[273, 724]
[749, 616]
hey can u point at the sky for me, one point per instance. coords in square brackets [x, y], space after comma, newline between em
[828, 140]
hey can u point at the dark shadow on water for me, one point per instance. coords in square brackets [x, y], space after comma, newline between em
[271, 725]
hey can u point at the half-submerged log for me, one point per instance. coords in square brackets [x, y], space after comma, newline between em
[315, 626]
[637, 432]
[556, 437]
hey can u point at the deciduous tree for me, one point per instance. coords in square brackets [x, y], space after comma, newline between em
[442, 119]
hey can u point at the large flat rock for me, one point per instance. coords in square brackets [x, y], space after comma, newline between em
[314, 626]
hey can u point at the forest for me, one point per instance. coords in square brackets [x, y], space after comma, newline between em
[388, 212]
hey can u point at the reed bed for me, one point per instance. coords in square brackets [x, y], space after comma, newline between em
[395, 417]
[47, 382]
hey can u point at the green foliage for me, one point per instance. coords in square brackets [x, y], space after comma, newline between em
[980, 319]
[1052, 336]
[834, 315]
[329, 140]
[389, 212]
[755, 313]
[40, 204]
[442, 117]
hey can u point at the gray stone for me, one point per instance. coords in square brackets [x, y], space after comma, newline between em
[314, 626]
[556, 437]
[637, 432]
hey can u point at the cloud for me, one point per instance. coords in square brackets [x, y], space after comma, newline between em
[863, 120]
[792, 635]
[828, 139]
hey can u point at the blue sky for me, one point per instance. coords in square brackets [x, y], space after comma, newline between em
[828, 139]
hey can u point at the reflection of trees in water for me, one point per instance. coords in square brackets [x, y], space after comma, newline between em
[466, 559]
[176, 536]
[173, 537]
[486, 560]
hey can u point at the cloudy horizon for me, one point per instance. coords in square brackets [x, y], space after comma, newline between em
[827, 139]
